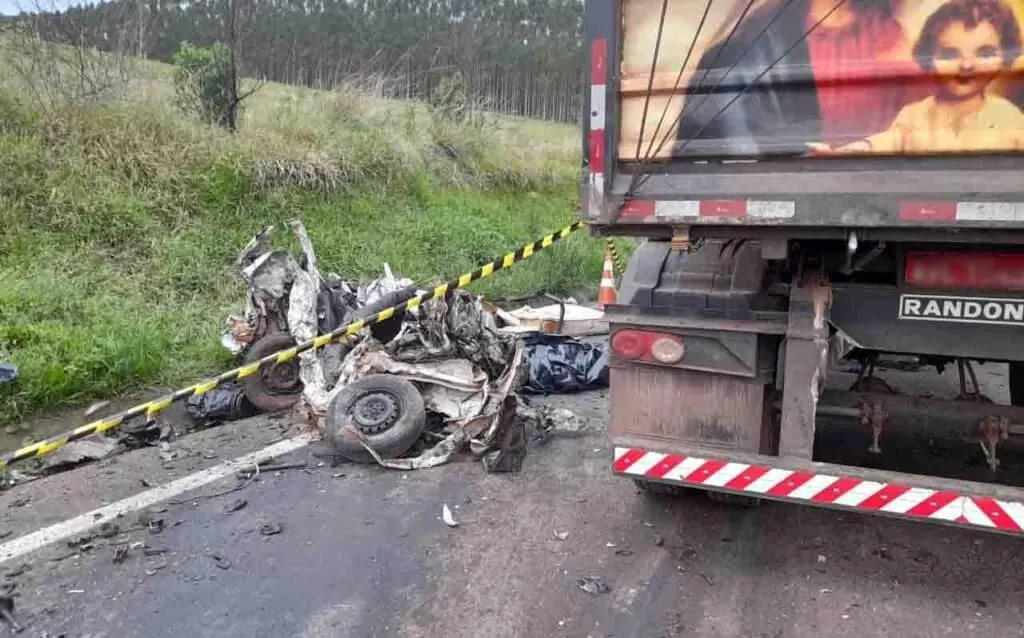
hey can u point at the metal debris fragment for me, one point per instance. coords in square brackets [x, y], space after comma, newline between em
[7, 611]
[79, 452]
[270, 529]
[235, 505]
[120, 553]
[95, 407]
[108, 529]
[448, 517]
[220, 561]
[593, 585]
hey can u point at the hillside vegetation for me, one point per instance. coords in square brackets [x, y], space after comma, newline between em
[522, 58]
[120, 218]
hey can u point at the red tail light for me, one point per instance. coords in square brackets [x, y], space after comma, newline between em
[648, 346]
[965, 271]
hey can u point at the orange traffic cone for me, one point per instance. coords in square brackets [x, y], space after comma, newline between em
[606, 292]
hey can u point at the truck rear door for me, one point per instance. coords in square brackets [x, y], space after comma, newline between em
[805, 117]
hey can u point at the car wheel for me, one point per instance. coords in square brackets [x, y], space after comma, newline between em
[275, 386]
[386, 409]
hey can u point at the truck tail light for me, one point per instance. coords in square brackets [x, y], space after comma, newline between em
[668, 349]
[965, 271]
[651, 346]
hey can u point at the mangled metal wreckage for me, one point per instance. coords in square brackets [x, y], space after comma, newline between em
[407, 393]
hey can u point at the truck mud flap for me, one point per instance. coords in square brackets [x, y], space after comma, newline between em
[982, 506]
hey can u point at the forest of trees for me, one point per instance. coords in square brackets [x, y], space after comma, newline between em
[522, 57]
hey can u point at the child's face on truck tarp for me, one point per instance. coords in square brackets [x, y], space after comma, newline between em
[967, 59]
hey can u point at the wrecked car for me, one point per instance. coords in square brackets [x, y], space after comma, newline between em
[422, 385]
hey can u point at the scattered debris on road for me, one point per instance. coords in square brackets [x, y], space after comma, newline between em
[559, 422]
[463, 357]
[220, 561]
[78, 452]
[95, 407]
[247, 473]
[593, 585]
[7, 612]
[81, 543]
[448, 517]
[271, 529]
[442, 378]
[220, 405]
[108, 529]
[566, 318]
[120, 553]
[235, 505]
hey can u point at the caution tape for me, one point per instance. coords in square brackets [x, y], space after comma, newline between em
[152, 408]
[613, 251]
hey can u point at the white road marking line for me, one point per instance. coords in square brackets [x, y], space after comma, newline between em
[82, 524]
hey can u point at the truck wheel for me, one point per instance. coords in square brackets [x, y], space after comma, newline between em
[274, 387]
[660, 489]
[1017, 384]
[734, 500]
[665, 489]
[387, 409]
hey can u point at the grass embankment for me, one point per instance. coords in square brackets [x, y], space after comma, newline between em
[119, 222]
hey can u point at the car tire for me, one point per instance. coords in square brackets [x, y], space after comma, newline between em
[277, 386]
[387, 409]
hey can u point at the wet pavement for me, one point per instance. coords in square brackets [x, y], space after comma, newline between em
[361, 552]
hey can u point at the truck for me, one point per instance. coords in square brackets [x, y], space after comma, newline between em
[814, 185]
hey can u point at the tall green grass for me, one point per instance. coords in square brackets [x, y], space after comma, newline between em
[119, 221]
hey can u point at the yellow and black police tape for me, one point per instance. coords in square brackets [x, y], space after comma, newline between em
[150, 409]
[616, 260]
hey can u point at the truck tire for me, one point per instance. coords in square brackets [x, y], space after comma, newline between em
[1017, 384]
[660, 489]
[387, 409]
[735, 500]
[665, 489]
[274, 387]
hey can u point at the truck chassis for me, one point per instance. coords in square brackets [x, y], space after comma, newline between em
[731, 402]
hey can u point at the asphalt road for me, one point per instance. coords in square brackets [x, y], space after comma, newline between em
[363, 552]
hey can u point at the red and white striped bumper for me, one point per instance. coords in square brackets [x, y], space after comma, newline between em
[981, 512]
